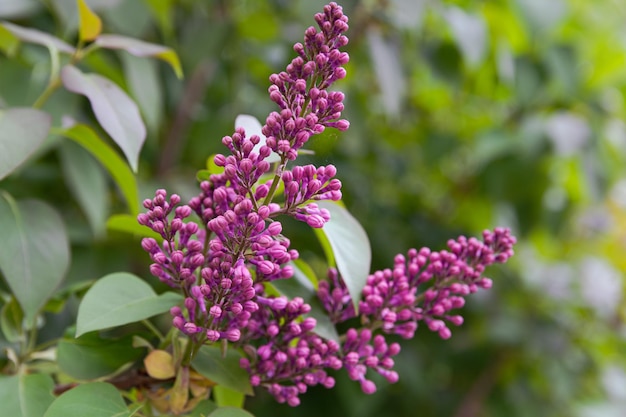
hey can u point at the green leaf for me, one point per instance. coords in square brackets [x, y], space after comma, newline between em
[226, 371]
[143, 49]
[22, 131]
[96, 399]
[128, 224]
[226, 397]
[11, 321]
[351, 248]
[26, 395]
[86, 179]
[38, 37]
[90, 24]
[117, 113]
[117, 168]
[91, 357]
[230, 412]
[34, 252]
[120, 298]
[203, 408]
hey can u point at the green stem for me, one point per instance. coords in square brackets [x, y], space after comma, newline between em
[153, 329]
[32, 340]
[50, 88]
[275, 182]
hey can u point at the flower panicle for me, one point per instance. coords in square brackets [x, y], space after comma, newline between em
[223, 260]
[301, 91]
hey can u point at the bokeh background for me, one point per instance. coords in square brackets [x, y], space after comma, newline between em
[464, 115]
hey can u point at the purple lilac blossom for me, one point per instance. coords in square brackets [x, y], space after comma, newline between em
[223, 260]
[307, 107]
[396, 300]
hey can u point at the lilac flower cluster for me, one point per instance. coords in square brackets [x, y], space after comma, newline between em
[393, 301]
[219, 261]
[390, 299]
[223, 261]
[292, 357]
[301, 92]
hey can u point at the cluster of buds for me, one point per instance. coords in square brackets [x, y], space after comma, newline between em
[223, 261]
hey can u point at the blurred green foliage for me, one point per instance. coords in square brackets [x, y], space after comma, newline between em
[464, 114]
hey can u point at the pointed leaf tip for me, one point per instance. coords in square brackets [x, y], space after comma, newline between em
[140, 48]
[117, 113]
[90, 24]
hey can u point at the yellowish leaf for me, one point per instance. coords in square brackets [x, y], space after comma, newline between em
[8, 41]
[171, 58]
[90, 25]
[160, 364]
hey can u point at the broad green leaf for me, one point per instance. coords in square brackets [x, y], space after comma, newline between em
[230, 412]
[226, 371]
[143, 49]
[128, 224]
[95, 399]
[90, 24]
[117, 113]
[38, 37]
[142, 77]
[86, 179]
[91, 357]
[351, 248]
[11, 321]
[120, 298]
[26, 395]
[118, 169]
[203, 409]
[34, 252]
[253, 127]
[226, 397]
[22, 131]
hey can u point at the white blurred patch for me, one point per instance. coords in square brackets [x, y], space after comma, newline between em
[600, 286]
[505, 63]
[615, 133]
[470, 33]
[407, 14]
[568, 133]
[388, 69]
[555, 198]
[618, 193]
[614, 382]
[543, 14]
[555, 279]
